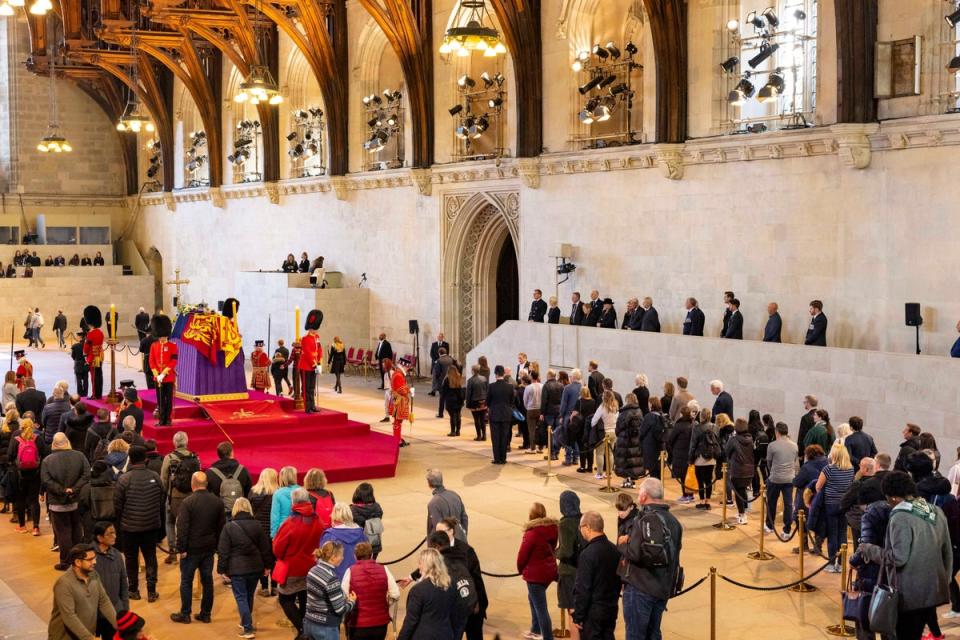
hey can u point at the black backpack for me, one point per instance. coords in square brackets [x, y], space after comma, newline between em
[101, 502]
[708, 447]
[100, 451]
[182, 468]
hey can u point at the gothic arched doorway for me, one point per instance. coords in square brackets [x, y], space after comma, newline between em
[154, 262]
[508, 283]
[478, 228]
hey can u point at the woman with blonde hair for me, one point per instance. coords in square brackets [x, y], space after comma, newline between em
[346, 532]
[244, 554]
[431, 602]
[117, 457]
[605, 417]
[315, 482]
[642, 392]
[261, 499]
[11, 422]
[25, 470]
[281, 506]
[834, 480]
[337, 360]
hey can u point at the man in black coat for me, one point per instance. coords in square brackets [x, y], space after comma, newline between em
[693, 323]
[383, 351]
[129, 408]
[596, 309]
[229, 467]
[138, 505]
[727, 297]
[596, 591]
[538, 308]
[595, 381]
[30, 399]
[817, 331]
[910, 444]
[651, 319]
[500, 404]
[807, 421]
[633, 318]
[576, 313]
[199, 524]
[439, 343]
[771, 332]
[735, 324]
[859, 444]
[60, 328]
[142, 322]
[724, 401]
[608, 317]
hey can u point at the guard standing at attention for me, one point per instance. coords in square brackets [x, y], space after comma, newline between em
[163, 364]
[311, 355]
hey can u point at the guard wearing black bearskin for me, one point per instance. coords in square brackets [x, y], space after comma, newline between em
[311, 355]
[163, 364]
[93, 349]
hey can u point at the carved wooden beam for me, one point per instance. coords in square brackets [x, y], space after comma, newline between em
[668, 27]
[318, 28]
[856, 53]
[520, 22]
[408, 27]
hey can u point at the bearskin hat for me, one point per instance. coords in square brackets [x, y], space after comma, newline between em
[228, 307]
[92, 316]
[161, 326]
[314, 320]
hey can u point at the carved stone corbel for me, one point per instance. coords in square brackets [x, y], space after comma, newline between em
[670, 160]
[217, 198]
[853, 143]
[341, 186]
[273, 192]
[169, 200]
[422, 180]
[529, 170]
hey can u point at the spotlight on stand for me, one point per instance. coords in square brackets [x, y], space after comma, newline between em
[613, 50]
[291, 136]
[755, 20]
[733, 25]
[455, 109]
[730, 64]
[495, 103]
[631, 49]
[600, 52]
[466, 82]
[954, 65]
[565, 269]
[800, 14]
[953, 19]
[773, 88]
[766, 50]
[741, 92]
[771, 16]
[590, 86]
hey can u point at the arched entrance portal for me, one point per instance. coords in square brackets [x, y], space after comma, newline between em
[478, 228]
[508, 283]
[154, 262]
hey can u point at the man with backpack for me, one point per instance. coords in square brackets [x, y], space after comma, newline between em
[138, 503]
[178, 466]
[98, 437]
[63, 474]
[650, 562]
[228, 478]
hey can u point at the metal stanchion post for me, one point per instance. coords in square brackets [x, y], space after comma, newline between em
[842, 630]
[607, 463]
[713, 603]
[761, 554]
[723, 525]
[663, 466]
[550, 473]
[802, 587]
[562, 632]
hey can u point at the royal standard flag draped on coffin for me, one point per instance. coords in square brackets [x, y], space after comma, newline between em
[210, 333]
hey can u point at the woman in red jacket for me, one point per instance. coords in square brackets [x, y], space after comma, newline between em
[296, 540]
[537, 563]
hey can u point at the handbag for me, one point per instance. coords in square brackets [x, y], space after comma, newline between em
[281, 570]
[885, 600]
[690, 480]
[856, 604]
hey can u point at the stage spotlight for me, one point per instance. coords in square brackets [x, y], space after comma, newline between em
[758, 127]
[478, 127]
[590, 86]
[600, 52]
[601, 113]
[316, 112]
[741, 92]
[466, 82]
[577, 66]
[613, 50]
[366, 100]
[730, 64]
[498, 78]
[392, 120]
[766, 50]
[455, 109]
[312, 148]
[372, 122]
[631, 49]
[954, 64]
[800, 14]
[772, 89]
[300, 115]
[607, 81]
[953, 19]
[771, 15]
[495, 103]
[242, 142]
[462, 132]
[755, 20]
[618, 89]
[487, 81]
[733, 25]
[291, 136]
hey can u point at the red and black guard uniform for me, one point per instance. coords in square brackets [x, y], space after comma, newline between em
[163, 361]
[311, 355]
[93, 350]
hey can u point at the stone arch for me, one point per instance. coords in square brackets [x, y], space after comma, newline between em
[475, 226]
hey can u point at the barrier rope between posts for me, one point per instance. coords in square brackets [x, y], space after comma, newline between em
[793, 534]
[691, 587]
[499, 575]
[776, 587]
[402, 558]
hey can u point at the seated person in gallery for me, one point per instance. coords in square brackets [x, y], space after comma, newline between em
[3, 272]
[28, 271]
[17, 258]
[11, 270]
[98, 260]
[35, 260]
[304, 263]
[59, 261]
[317, 273]
[48, 262]
[290, 264]
[75, 260]
[86, 261]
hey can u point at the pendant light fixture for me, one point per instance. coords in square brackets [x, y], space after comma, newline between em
[38, 8]
[473, 30]
[133, 119]
[54, 141]
[259, 85]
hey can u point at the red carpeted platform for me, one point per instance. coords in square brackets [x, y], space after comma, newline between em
[267, 432]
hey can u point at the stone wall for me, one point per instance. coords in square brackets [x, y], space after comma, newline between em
[886, 390]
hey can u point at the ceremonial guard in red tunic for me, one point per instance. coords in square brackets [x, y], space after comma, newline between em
[260, 362]
[311, 355]
[93, 349]
[24, 368]
[163, 364]
[399, 398]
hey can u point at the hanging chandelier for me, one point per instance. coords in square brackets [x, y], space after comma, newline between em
[133, 119]
[53, 141]
[477, 32]
[38, 8]
[259, 87]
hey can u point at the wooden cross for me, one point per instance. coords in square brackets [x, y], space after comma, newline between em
[177, 281]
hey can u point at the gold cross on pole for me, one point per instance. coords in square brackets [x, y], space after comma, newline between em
[177, 281]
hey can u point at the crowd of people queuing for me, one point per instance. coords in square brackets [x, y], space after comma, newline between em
[112, 499]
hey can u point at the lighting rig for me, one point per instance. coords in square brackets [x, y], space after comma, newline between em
[479, 110]
[605, 78]
[383, 113]
[306, 142]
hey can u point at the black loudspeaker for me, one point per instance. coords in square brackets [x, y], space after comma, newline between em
[912, 312]
[414, 326]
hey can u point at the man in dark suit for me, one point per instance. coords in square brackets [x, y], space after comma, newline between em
[807, 421]
[630, 314]
[724, 401]
[817, 331]
[596, 309]
[500, 404]
[651, 319]
[538, 308]
[142, 323]
[576, 313]
[383, 351]
[595, 380]
[608, 318]
[771, 332]
[693, 323]
[735, 324]
[727, 297]
[438, 344]
[30, 399]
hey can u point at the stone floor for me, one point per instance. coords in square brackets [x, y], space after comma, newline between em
[497, 499]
